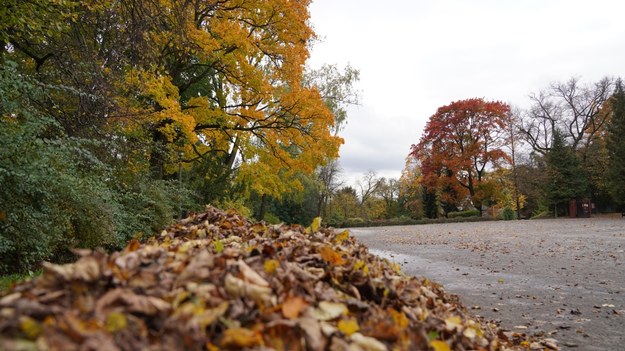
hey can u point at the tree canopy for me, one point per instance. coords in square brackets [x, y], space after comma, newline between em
[460, 142]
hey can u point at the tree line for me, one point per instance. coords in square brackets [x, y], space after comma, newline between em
[487, 158]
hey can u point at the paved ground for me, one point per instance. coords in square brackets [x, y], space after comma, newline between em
[563, 277]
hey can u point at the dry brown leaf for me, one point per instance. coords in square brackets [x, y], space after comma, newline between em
[292, 307]
[240, 338]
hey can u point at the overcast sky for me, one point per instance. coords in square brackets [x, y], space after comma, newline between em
[415, 56]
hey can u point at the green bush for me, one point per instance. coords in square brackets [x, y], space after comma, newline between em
[508, 214]
[57, 195]
[466, 213]
[271, 218]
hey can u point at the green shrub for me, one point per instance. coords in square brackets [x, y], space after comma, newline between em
[508, 214]
[57, 195]
[271, 218]
[466, 213]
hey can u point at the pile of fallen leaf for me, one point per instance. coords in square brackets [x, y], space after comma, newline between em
[217, 281]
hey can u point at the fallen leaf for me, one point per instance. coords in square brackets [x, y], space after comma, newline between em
[330, 255]
[314, 226]
[329, 310]
[240, 338]
[30, 327]
[348, 326]
[453, 322]
[271, 266]
[368, 343]
[292, 307]
[342, 236]
[116, 321]
[439, 345]
[219, 246]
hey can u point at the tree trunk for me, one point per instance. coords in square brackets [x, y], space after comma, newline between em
[263, 207]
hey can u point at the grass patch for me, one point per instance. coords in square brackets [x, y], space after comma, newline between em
[7, 281]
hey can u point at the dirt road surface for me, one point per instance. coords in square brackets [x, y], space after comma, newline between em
[561, 277]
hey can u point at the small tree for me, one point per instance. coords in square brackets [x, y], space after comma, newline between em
[565, 179]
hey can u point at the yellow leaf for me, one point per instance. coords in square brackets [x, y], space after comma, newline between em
[271, 266]
[439, 345]
[314, 226]
[292, 307]
[30, 327]
[219, 246]
[348, 326]
[342, 236]
[240, 338]
[453, 322]
[116, 321]
[209, 317]
[330, 255]
[399, 318]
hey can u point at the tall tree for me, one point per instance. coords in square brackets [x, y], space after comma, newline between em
[571, 108]
[459, 143]
[615, 146]
[565, 179]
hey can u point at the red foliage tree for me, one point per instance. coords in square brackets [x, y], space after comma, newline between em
[461, 141]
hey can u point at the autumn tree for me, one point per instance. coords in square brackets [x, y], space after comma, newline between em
[410, 190]
[615, 146]
[461, 141]
[345, 203]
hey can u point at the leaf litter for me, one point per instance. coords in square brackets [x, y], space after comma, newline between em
[216, 281]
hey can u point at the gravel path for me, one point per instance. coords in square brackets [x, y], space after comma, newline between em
[561, 277]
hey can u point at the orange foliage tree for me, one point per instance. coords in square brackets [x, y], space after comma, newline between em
[461, 142]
